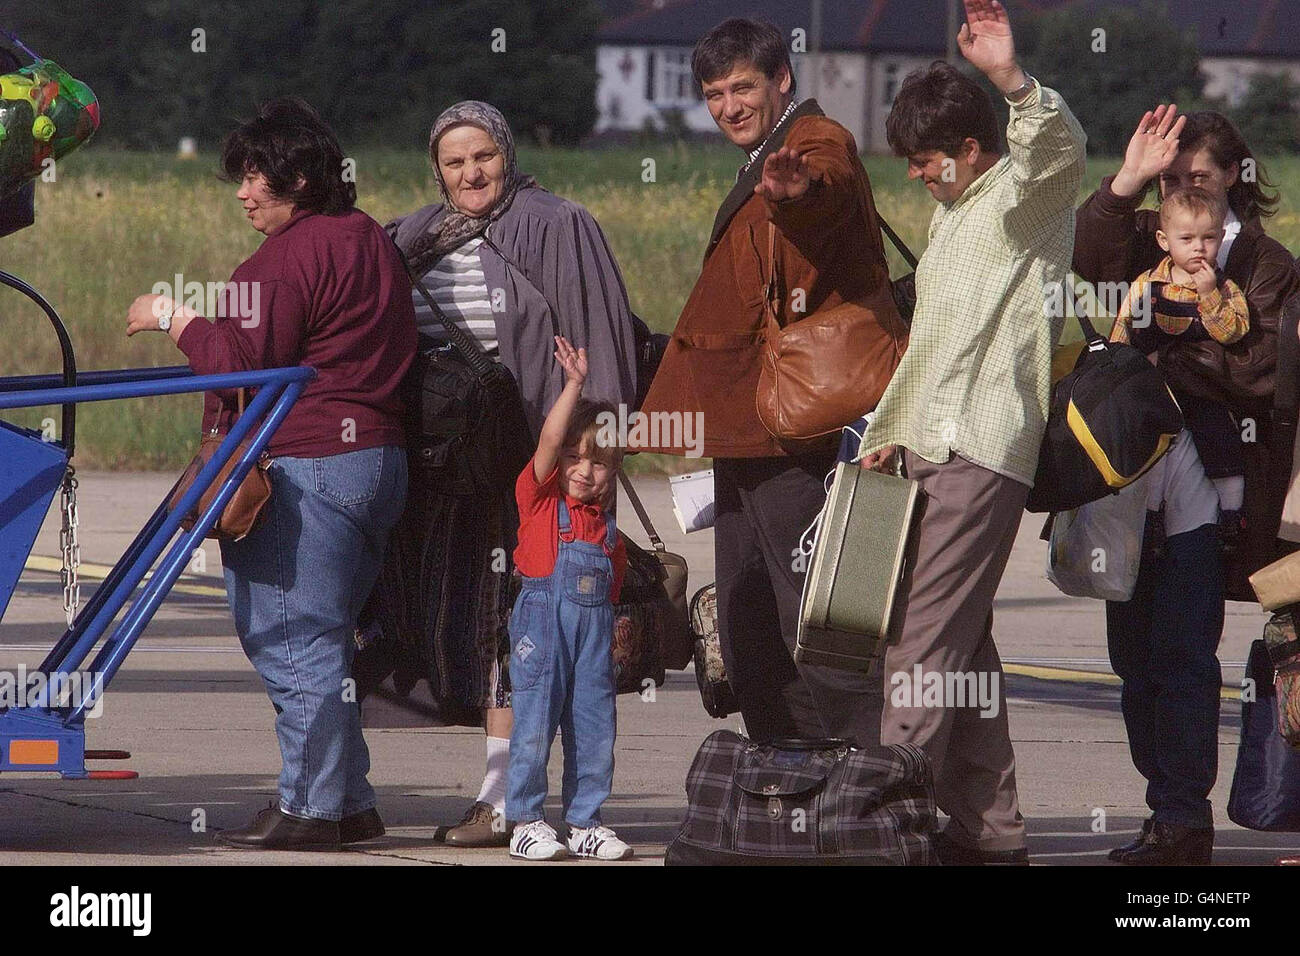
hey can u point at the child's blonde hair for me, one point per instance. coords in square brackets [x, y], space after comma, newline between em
[1194, 200]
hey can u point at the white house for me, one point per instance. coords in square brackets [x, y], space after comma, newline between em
[866, 48]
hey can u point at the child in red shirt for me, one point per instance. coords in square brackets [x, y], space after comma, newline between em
[562, 626]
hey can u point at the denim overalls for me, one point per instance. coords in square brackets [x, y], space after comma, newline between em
[562, 675]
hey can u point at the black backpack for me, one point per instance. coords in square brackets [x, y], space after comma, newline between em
[650, 348]
[438, 607]
[1111, 419]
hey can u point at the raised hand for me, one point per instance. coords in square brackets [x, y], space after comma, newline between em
[573, 361]
[985, 40]
[1150, 151]
[785, 176]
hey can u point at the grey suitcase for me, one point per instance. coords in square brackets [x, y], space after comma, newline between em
[859, 557]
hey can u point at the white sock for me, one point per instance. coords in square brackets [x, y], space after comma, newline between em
[494, 781]
[1232, 492]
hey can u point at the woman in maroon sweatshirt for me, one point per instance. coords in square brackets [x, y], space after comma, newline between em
[328, 289]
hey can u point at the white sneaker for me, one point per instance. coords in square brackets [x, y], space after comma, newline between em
[597, 843]
[536, 841]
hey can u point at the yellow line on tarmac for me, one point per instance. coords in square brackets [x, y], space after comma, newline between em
[97, 572]
[1088, 677]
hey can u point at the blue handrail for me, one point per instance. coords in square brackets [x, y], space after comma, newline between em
[172, 385]
[17, 383]
[278, 390]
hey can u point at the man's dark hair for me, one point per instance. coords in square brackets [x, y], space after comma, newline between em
[737, 41]
[1208, 129]
[288, 139]
[939, 108]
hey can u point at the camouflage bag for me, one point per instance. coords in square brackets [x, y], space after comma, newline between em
[1284, 654]
[710, 673]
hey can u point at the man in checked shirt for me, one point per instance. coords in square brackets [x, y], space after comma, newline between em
[967, 407]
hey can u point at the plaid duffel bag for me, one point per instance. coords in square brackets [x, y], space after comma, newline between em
[806, 802]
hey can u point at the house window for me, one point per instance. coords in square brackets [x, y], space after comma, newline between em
[671, 81]
[890, 88]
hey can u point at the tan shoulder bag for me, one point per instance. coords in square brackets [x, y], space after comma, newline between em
[827, 369]
[242, 511]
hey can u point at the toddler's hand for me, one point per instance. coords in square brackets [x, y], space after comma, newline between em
[1206, 279]
[573, 361]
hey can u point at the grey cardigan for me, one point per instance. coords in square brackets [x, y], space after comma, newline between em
[549, 267]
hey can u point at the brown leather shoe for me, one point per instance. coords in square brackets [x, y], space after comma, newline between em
[481, 826]
[1169, 844]
[273, 829]
[1117, 855]
[362, 826]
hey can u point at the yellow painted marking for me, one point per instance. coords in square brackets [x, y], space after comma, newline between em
[97, 572]
[1088, 677]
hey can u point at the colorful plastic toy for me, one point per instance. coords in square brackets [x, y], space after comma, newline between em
[44, 114]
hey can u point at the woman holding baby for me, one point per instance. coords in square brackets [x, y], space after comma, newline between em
[1215, 283]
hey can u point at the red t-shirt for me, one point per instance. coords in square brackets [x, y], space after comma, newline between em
[539, 527]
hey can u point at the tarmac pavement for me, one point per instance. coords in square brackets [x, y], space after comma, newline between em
[198, 724]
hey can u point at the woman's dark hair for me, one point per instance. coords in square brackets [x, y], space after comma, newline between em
[1214, 131]
[737, 41]
[288, 140]
[938, 108]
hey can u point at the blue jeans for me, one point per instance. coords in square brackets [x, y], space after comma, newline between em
[296, 586]
[1162, 644]
[562, 675]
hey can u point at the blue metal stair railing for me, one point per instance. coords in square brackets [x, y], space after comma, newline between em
[62, 727]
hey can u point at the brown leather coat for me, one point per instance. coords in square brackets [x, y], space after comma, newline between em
[1114, 241]
[828, 248]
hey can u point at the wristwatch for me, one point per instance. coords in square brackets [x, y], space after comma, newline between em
[165, 321]
[1020, 92]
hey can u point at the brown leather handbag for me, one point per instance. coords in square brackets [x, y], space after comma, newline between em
[243, 510]
[825, 370]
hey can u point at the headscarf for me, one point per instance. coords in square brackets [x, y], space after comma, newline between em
[456, 228]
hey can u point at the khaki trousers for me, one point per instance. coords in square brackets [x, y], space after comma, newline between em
[963, 541]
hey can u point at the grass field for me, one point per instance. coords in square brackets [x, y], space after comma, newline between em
[115, 223]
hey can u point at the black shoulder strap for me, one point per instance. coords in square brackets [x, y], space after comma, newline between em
[469, 347]
[640, 511]
[901, 246]
[1090, 333]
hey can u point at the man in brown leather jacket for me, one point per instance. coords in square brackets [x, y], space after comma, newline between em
[802, 174]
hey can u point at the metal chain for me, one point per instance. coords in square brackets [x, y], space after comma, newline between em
[69, 545]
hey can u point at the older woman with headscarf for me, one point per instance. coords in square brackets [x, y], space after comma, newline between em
[513, 265]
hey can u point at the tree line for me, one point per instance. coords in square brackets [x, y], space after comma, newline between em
[380, 70]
